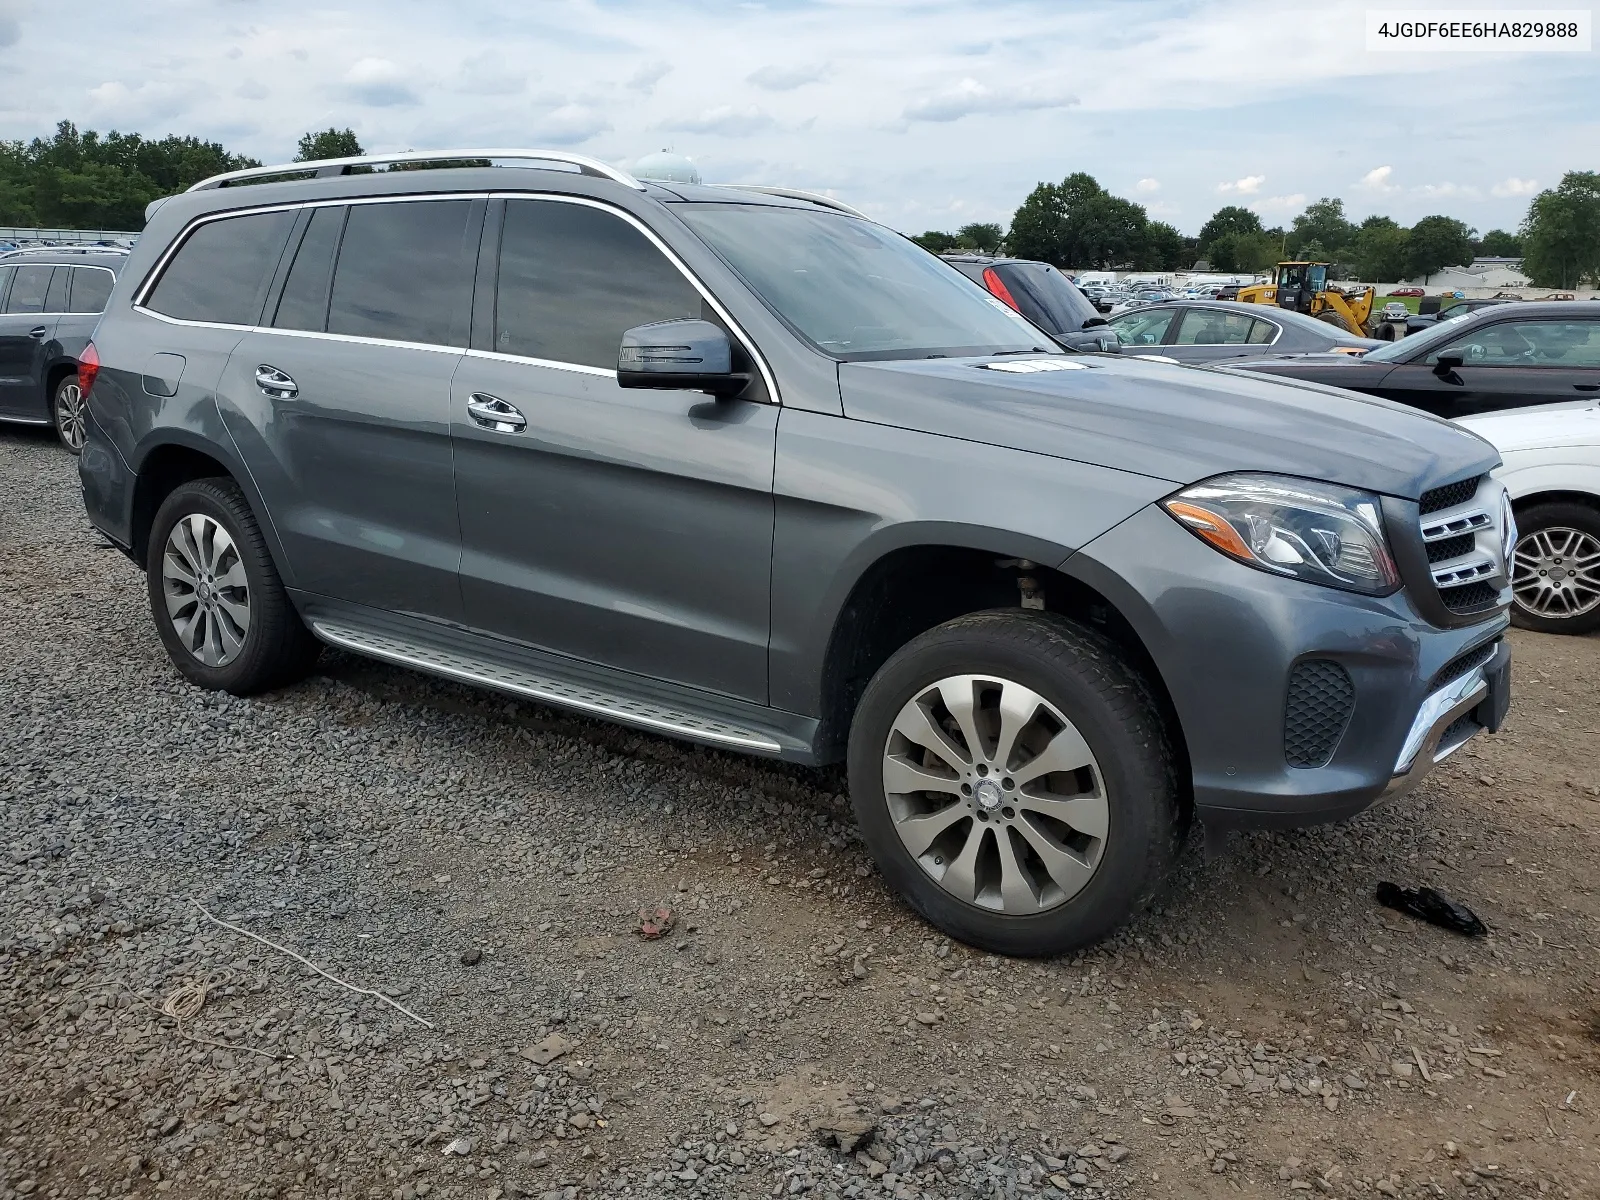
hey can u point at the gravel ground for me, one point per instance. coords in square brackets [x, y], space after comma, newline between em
[480, 867]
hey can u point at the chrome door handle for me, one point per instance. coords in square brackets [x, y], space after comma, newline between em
[275, 383]
[494, 413]
[38, 331]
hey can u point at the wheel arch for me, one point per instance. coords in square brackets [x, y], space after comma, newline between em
[916, 584]
[174, 457]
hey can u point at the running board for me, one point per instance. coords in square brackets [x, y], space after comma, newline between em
[472, 669]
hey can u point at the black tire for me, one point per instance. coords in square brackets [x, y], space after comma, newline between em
[1540, 519]
[276, 649]
[1092, 683]
[67, 413]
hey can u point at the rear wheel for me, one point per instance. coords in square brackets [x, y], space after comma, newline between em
[1555, 570]
[67, 412]
[1338, 321]
[215, 595]
[1012, 777]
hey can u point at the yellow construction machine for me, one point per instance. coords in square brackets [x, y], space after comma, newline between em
[1303, 288]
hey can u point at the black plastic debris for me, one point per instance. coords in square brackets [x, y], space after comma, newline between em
[1434, 907]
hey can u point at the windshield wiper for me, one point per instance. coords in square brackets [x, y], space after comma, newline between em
[1003, 353]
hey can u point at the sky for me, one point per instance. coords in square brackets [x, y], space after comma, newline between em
[926, 114]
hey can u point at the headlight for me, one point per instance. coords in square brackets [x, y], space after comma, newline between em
[1319, 532]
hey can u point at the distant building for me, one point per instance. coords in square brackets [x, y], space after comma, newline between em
[1486, 261]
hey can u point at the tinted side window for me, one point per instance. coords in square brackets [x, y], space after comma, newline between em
[55, 299]
[405, 273]
[304, 304]
[222, 270]
[1143, 328]
[573, 278]
[28, 289]
[1207, 327]
[1262, 332]
[91, 288]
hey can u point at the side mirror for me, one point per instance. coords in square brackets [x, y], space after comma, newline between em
[1445, 367]
[686, 354]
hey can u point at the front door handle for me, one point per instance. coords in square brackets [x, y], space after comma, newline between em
[1587, 387]
[491, 412]
[275, 383]
[38, 331]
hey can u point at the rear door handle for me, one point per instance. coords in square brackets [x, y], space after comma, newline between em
[38, 331]
[491, 412]
[275, 383]
[1587, 387]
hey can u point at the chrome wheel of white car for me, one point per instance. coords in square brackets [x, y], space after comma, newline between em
[1556, 572]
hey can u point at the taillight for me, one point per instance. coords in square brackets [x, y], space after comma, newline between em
[992, 281]
[88, 368]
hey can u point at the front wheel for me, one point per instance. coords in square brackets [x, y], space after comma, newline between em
[67, 413]
[1013, 779]
[1555, 570]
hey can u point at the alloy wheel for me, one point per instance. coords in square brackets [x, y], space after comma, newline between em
[69, 415]
[206, 591]
[1555, 572]
[995, 794]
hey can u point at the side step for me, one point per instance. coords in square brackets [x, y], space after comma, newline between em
[468, 668]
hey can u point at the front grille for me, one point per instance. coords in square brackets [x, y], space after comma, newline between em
[1462, 663]
[1448, 496]
[1469, 597]
[1451, 547]
[1320, 700]
[1459, 730]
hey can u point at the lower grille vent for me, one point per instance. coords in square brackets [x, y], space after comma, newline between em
[1321, 697]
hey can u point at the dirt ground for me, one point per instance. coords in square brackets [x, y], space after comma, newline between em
[1267, 1030]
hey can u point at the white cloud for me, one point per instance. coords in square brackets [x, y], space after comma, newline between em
[378, 82]
[1248, 186]
[251, 89]
[724, 120]
[1377, 181]
[786, 79]
[645, 78]
[970, 97]
[567, 125]
[1446, 191]
[490, 74]
[1291, 203]
[1515, 187]
[1146, 186]
[10, 22]
[153, 101]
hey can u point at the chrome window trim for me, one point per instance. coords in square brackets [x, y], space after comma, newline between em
[1226, 312]
[671, 256]
[355, 338]
[528, 360]
[154, 277]
[84, 267]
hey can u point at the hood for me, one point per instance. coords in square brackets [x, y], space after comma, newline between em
[1176, 423]
[1544, 426]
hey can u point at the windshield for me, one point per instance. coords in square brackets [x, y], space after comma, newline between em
[1416, 343]
[856, 290]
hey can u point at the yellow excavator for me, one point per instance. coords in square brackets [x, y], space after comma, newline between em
[1303, 287]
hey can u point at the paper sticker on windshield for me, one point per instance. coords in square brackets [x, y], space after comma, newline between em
[1033, 366]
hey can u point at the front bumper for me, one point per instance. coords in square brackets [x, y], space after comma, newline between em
[1225, 640]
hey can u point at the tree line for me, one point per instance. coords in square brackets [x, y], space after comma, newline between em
[81, 180]
[85, 181]
[1077, 223]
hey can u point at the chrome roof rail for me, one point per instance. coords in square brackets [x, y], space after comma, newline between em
[337, 166]
[797, 194]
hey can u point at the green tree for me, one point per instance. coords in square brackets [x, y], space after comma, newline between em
[1077, 223]
[1497, 243]
[1228, 219]
[1561, 235]
[984, 236]
[83, 180]
[1381, 251]
[1244, 252]
[938, 242]
[329, 143]
[1322, 223]
[1438, 242]
[1165, 249]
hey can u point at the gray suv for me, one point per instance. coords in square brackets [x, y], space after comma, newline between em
[49, 303]
[743, 468]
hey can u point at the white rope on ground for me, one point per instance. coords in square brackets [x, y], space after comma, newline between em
[301, 959]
